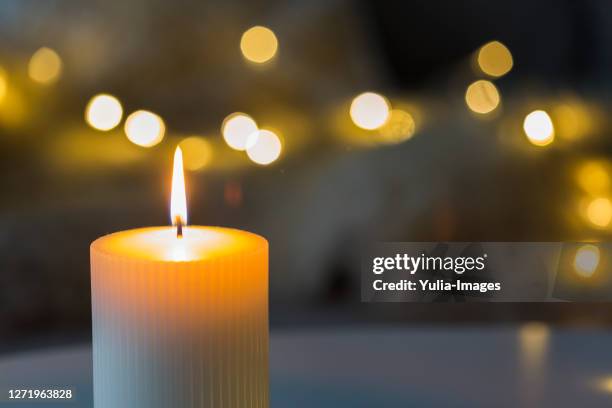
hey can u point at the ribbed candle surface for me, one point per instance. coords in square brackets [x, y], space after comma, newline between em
[180, 322]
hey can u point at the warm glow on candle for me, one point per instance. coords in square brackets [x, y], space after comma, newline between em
[178, 200]
[180, 314]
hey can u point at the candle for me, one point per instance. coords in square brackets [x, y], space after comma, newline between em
[180, 314]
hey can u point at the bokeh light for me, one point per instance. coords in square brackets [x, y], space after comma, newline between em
[495, 59]
[539, 128]
[593, 177]
[15, 110]
[369, 110]
[3, 84]
[599, 212]
[103, 112]
[144, 128]
[399, 127]
[45, 66]
[264, 147]
[258, 44]
[81, 150]
[586, 260]
[573, 119]
[534, 339]
[237, 128]
[604, 384]
[482, 97]
[197, 152]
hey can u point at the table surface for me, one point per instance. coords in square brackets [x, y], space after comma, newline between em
[528, 366]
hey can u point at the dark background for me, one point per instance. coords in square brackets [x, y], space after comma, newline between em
[462, 176]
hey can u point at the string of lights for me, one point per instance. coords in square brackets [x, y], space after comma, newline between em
[376, 119]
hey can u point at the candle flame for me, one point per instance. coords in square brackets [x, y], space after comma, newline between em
[178, 200]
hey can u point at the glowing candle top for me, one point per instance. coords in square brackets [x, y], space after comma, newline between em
[180, 244]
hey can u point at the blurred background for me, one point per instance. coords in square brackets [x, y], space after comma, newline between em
[325, 126]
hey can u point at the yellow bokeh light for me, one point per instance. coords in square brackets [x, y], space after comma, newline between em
[237, 128]
[495, 59]
[533, 341]
[573, 120]
[258, 44]
[14, 112]
[599, 212]
[77, 150]
[264, 147]
[369, 110]
[604, 384]
[399, 127]
[482, 96]
[586, 260]
[539, 128]
[3, 84]
[197, 152]
[593, 177]
[144, 128]
[45, 66]
[103, 112]
[534, 338]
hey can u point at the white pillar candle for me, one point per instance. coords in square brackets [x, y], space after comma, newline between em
[180, 321]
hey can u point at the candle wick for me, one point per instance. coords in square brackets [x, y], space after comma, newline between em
[179, 227]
